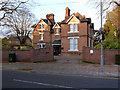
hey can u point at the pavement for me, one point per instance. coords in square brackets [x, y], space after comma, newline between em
[66, 65]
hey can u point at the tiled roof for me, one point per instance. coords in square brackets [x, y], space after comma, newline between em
[78, 16]
[45, 20]
[48, 21]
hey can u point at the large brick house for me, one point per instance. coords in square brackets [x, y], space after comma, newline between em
[67, 37]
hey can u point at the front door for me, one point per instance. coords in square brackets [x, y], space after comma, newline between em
[57, 49]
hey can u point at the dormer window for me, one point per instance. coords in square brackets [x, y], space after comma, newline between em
[73, 28]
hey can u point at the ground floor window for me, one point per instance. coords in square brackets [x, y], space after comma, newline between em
[73, 44]
[41, 45]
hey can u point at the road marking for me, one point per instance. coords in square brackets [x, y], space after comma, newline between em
[45, 84]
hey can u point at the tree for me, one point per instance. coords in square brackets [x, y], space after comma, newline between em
[9, 6]
[20, 23]
[109, 43]
[110, 30]
[5, 44]
[96, 39]
[112, 23]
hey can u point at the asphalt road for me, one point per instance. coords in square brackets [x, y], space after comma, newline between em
[18, 79]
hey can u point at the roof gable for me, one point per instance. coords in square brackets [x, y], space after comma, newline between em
[42, 22]
[73, 19]
[56, 25]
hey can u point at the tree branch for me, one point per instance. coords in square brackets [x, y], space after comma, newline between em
[9, 10]
[110, 4]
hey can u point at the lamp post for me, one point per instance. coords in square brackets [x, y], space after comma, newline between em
[101, 40]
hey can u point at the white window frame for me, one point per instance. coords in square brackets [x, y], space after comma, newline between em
[41, 45]
[57, 31]
[41, 26]
[73, 28]
[41, 33]
[73, 39]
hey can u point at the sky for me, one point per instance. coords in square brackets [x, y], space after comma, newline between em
[42, 7]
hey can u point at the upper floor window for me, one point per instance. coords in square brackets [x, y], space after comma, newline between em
[41, 26]
[56, 31]
[41, 36]
[73, 28]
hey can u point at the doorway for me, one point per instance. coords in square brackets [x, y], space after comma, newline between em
[57, 49]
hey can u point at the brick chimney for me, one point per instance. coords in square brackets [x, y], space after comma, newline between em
[50, 16]
[67, 12]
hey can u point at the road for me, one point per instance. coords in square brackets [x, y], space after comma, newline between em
[19, 79]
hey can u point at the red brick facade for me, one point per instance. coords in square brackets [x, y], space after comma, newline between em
[59, 34]
[32, 55]
[108, 55]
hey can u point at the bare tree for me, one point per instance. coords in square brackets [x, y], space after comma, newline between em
[106, 5]
[20, 23]
[9, 6]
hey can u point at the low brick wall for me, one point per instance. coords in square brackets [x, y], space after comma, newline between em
[43, 54]
[108, 55]
[21, 55]
[32, 55]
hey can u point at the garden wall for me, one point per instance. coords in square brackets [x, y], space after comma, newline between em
[32, 55]
[108, 55]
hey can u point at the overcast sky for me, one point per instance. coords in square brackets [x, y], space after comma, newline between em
[57, 7]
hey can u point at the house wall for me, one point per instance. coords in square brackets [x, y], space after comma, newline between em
[82, 40]
[84, 29]
[36, 36]
[45, 54]
[32, 55]
[108, 55]
[54, 36]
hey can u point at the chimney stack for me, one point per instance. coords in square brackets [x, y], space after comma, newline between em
[67, 12]
[50, 16]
